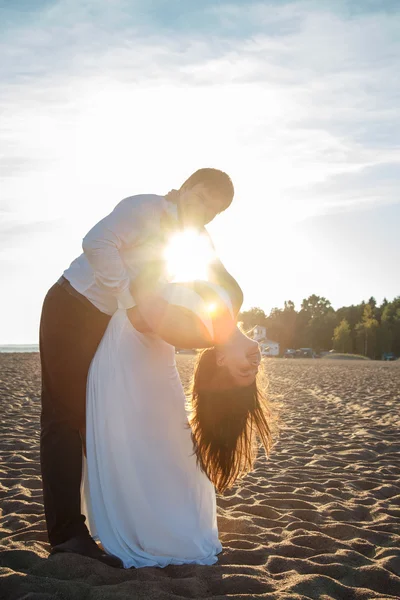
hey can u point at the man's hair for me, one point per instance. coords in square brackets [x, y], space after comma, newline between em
[215, 181]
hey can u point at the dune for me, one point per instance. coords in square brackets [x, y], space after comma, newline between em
[319, 519]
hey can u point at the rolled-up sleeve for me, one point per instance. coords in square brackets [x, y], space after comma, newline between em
[124, 227]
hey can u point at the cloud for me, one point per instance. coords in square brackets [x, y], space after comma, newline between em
[309, 92]
[12, 230]
[298, 101]
[11, 166]
[17, 237]
[372, 186]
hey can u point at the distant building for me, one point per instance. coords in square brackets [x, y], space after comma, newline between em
[268, 347]
[259, 333]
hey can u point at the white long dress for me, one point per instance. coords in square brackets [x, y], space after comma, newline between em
[145, 498]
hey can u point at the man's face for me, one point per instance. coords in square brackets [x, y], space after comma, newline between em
[198, 206]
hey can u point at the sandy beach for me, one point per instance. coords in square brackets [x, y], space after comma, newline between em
[320, 519]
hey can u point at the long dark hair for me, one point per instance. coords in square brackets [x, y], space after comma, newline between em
[226, 421]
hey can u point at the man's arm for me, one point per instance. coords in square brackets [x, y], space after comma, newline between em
[122, 228]
[217, 273]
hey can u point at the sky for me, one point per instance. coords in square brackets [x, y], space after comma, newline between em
[297, 101]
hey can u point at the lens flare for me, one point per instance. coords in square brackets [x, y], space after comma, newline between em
[188, 255]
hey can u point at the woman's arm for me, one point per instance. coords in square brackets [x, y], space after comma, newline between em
[175, 325]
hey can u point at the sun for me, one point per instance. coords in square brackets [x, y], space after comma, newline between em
[188, 255]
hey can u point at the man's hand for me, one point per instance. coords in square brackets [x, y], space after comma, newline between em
[137, 320]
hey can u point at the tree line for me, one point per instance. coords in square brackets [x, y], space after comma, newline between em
[365, 328]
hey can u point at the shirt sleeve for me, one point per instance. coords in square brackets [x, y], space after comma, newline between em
[125, 227]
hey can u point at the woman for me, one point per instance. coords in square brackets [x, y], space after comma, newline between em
[151, 467]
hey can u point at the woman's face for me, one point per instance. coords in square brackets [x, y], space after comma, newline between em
[241, 356]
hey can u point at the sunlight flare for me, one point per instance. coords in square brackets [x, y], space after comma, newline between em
[211, 308]
[188, 255]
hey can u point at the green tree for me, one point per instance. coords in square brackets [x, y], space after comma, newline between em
[281, 325]
[390, 327]
[342, 341]
[373, 329]
[316, 323]
[320, 331]
[367, 333]
[353, 315]
[316, 306]
[251, 318]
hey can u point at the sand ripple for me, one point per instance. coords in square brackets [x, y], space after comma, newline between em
[320, 519]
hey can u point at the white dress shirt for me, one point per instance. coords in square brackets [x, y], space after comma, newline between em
[116, 248]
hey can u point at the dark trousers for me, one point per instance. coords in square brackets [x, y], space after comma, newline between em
[71, 329]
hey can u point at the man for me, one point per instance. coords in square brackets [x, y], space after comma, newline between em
[75, 315]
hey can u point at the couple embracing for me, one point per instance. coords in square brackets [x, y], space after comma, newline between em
[124, 460]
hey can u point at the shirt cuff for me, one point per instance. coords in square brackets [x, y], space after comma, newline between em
[125, 299]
